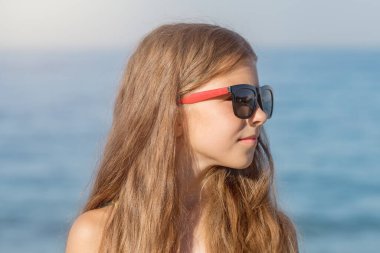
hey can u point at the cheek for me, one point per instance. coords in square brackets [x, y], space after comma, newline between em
[213, 133]
[213, 127]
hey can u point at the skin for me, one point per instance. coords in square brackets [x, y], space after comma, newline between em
[214, 130]
[86, 231]
[214, 133]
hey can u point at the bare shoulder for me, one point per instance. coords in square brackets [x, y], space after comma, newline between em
[86, 232]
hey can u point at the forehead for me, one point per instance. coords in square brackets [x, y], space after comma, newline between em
[241, 74]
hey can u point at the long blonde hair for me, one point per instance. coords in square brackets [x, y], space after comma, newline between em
[140, 168]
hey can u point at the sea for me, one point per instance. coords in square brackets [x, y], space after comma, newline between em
[56, 110]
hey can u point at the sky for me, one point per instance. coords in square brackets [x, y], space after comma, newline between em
[113, 24]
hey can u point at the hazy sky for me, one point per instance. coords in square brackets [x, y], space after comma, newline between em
[96, 24]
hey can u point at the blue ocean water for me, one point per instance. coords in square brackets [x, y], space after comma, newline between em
[56, 108]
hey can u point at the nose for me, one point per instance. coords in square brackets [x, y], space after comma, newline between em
[259, 117]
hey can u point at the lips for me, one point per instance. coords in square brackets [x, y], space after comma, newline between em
[251, 137]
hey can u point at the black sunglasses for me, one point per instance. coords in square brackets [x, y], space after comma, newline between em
[245, 98]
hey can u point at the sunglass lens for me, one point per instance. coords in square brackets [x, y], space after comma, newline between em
[266, 100]
[244, 102]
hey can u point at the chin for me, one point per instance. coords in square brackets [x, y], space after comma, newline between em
[242, 165]
[246, 163]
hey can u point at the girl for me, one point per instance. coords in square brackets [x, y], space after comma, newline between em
[187, 166]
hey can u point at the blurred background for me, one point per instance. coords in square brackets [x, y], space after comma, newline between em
[60, 66]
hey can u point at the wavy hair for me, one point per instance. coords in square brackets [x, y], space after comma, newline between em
[141, 164]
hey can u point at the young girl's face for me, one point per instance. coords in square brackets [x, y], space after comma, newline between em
[215, 132]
